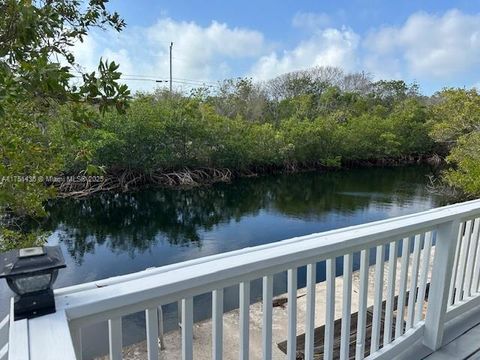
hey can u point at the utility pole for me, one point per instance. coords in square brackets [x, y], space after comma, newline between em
[171, 46]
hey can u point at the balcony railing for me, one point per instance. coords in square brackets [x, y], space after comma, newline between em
[436, 251]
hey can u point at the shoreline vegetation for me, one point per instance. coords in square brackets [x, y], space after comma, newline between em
[321, 119]
[317, 119]
[126, 181]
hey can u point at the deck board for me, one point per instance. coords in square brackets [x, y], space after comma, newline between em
[466, 346]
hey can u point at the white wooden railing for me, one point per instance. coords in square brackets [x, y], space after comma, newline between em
[443, 257]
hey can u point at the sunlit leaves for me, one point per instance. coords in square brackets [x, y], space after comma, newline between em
[456, 113]
[456, 124]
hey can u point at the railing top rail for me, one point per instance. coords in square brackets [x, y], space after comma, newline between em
[128, 294]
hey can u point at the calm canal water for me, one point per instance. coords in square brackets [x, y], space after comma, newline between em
[111, 235]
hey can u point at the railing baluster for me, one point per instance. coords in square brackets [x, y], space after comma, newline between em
[5, 333]
[414, 280]
[463, 262]
[392, 275]
[244, 319]
[4, 329]
[115, 338]
[451, 292]
[151, 317]
[476, 270]
[4, 352]
[292, 315]
[399, 326]
[422, 286]
[362, 307]
[160, 327]
[472, 259]
[77, 342]
[217, 324]
[441, 276]
[378, 297]
[330, 309]
[347, 307]
[267, 317]
[310, 315]
[187, 329]
[179, 313]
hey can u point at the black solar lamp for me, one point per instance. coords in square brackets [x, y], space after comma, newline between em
[30, 273]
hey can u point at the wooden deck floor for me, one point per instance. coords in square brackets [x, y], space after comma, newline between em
[466, 346]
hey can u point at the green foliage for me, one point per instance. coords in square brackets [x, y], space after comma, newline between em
[12, 239]
[455, 125]
[408, 121]
[456, 113]
[312, 142]
[466, 158]
[168, 132]
[36, 78]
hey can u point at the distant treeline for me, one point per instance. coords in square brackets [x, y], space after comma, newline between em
[317, 118]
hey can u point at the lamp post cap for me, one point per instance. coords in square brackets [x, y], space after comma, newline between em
[25, 261]
[31, 251]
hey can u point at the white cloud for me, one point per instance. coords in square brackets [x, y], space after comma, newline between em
[309, 20]
[86, 53]
[329, 47]
[199, 53]
[202, 52]
[121, 57]
[427, 45]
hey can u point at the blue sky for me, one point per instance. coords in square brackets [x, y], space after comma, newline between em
[435, 43]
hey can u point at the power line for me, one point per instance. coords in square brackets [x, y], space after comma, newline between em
[159, 77]
[152, 80]
[180, 79]
[134, 79]
[142, 76]
[199, 81]
[191, 82]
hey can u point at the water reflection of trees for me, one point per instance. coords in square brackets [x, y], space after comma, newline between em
[131, 223]
[344, 192]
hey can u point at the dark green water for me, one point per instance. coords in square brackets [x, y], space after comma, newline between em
[118, 234]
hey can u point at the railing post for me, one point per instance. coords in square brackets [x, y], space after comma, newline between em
[445, 246]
